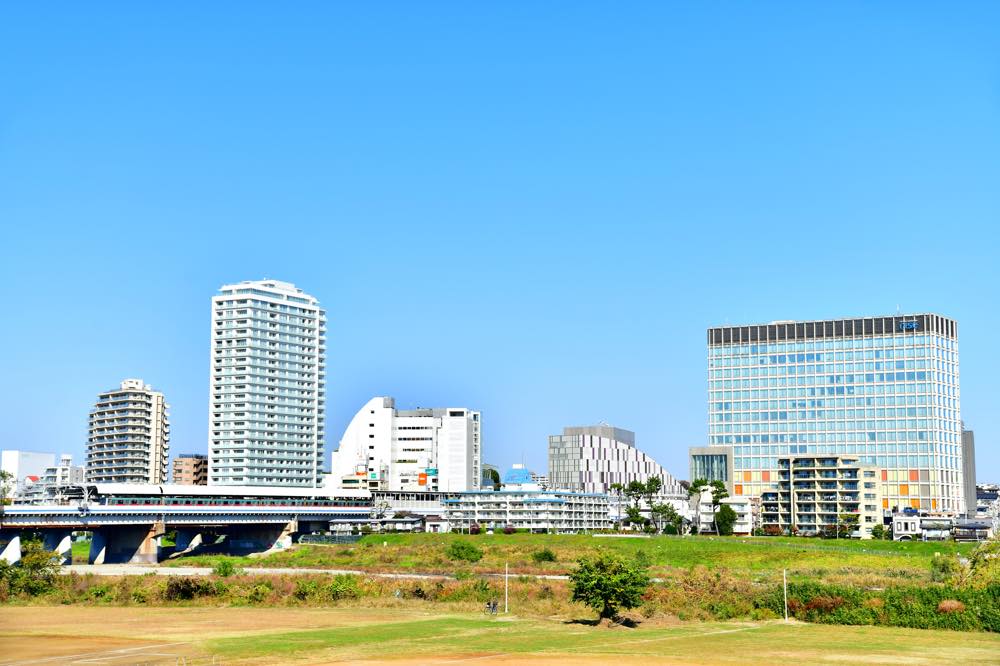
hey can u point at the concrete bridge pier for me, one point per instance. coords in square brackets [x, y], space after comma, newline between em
[132, 544]
[61, 543]
[12, 551]
[262, 539]
[187, 540]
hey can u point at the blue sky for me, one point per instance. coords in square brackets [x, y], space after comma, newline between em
[533, 209]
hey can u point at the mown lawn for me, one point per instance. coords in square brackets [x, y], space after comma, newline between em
[418, 639]
[757, 556]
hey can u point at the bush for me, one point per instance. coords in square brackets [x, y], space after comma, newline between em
[183, 588]
[343, 586]
[918, 607]
[464, 550]
[950, 606]
[475, 529]
[305, 589]
[259, 592]
[543, 555]
[725, 519]
[508, 529]
[33, 574]
[773, 530]
[943, 569]
[225, 568]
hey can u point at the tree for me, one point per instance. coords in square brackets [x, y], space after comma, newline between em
[666, 514]
[635, 491]
[608, 584]
[878, 532]
[695, 486]
[719, 492]
[847, 523]
[634, 516]
[725, 518]
[494, 476]
[618, 489]
[654, 485]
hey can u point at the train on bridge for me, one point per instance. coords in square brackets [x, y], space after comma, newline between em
[131, 494]
[126, 521]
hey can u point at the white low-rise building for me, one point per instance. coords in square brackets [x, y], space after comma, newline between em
[26, 467]
[534, 510]
[414, 450]
[703, 511]
[48, 489]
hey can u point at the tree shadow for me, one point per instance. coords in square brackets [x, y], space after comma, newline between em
[611, 623]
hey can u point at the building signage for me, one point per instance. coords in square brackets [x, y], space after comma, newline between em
[909, 325]
[432, 471]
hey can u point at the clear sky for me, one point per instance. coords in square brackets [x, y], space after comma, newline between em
[533, 209]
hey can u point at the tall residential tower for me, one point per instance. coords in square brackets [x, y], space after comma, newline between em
[267, 390]
[129, 436]
[883, 389]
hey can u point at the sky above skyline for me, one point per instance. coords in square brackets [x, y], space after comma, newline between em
[535, 211]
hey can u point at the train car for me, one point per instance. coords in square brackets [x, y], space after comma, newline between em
[129, 494]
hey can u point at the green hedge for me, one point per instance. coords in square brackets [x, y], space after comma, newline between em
[906, 606]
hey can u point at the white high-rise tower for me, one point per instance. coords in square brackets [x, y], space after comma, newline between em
[267, 389]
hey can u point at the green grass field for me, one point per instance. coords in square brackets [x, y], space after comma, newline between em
[880, 561]
[419, 640]
[408, 637]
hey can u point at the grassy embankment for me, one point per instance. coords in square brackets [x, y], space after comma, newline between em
[871, 563]
[703, 578]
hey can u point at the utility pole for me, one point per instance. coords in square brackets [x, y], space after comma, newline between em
[506, 577]
[784, 585]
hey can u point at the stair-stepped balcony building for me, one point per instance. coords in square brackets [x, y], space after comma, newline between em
[129, 437]
[817, 494]
[533, 510]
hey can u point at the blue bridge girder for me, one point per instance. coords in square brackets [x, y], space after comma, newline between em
[88, 517]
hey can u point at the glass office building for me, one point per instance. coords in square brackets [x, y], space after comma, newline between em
[885, 389]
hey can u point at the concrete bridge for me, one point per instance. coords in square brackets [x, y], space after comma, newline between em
[132, 533]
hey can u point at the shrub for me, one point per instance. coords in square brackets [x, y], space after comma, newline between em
[225, 568]
[950, 606]
[773, 530]
[183, 588]
[464, 550]
[100, 592]
[343, 586]
[508, 529]
[33, 574]
[475, 529]
[944, 568]
[305, 589]
[543, 555]
[258, 593]
[725, 519]
[824, 604]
